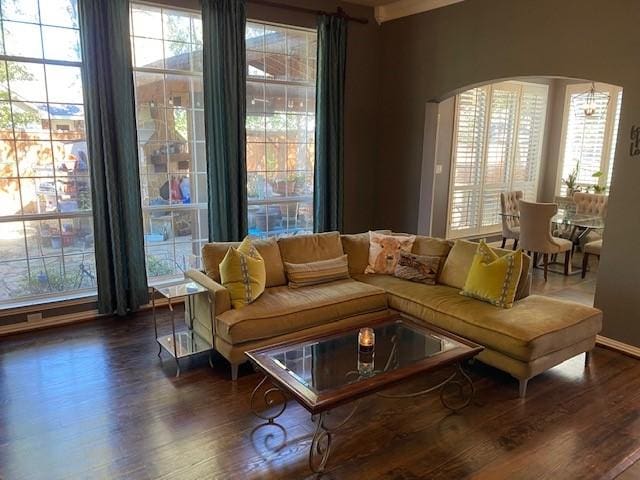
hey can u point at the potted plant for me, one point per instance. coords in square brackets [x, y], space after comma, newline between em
[571, 182]
[597, 188]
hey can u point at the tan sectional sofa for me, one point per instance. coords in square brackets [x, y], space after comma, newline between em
[533, 336]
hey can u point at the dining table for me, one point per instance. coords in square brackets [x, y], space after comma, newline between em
[573, 226]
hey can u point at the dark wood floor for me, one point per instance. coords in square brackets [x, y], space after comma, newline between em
[92, 401]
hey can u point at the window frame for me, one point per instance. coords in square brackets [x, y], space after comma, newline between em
[613, 116]
[508, 85]
[269, 201]
[26, 301]
[195, 207]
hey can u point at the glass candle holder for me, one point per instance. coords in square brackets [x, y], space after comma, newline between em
[365, 363]
[366, 340]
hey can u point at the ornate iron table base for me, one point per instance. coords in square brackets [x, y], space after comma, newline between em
[458, 384]
[269, 401]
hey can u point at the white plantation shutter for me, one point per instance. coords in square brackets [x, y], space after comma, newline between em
[500, 135]
[526, 163]
[589, 140]
[497, 146]
[469, 149]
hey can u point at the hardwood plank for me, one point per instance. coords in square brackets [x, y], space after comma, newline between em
[93, 401]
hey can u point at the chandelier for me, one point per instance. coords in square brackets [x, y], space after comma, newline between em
[590, 103]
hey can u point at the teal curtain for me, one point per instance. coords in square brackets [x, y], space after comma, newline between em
[224, 71]
[113, 158]
[329, 162]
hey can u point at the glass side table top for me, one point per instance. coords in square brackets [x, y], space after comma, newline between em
[181, 289]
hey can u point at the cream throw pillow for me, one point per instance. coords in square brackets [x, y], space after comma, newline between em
[384, 251]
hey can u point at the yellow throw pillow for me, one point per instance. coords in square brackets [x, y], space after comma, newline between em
[493, 278]
[243, 273]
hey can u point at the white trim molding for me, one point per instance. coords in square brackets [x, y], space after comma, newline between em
[404, 8]
[621, 347]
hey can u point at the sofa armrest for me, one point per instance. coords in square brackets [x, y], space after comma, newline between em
[219, 295]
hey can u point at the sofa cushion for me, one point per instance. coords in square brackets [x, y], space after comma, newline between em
[356, 246]
[213, 253]
[315, 273]
[456, 266]
[310, 248]
[534, 327]
[282, 310]
[431, 246]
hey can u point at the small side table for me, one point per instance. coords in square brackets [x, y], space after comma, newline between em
[185, 343]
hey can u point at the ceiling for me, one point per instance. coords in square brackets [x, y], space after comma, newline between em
[386, 10]
[371, 3]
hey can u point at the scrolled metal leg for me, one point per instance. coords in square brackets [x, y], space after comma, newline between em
[177, 368]
[320, 446]
[159, 351]
[458, 386]
[268, 400]
[321, 441]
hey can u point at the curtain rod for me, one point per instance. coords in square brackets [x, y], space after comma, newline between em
[340, 13]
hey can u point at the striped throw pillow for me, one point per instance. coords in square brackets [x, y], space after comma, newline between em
[314, 273]
[418, 268]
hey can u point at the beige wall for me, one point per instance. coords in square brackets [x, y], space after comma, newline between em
[428, 56]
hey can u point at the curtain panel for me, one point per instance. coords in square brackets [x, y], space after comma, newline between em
[112, 147]
[224, 71]
[329, 162]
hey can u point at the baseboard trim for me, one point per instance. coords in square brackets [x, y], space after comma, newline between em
[69, 318]
[621, 347]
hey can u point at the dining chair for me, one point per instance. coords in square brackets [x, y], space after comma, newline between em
[591, 248]
[591, 203]
[536, 237]
[510, 221]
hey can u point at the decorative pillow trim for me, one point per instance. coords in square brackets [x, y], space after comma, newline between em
[246, 281]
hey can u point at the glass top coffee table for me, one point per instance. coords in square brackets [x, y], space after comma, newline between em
[328, 371]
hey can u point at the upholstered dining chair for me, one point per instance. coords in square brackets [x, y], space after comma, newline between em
[591, 203]
[536, 237]
[591, 248]
[510, 221]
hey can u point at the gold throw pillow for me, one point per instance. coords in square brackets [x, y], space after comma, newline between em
[243, 273]
[493, 278]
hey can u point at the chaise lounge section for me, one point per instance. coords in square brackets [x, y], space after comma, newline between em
[533, 336]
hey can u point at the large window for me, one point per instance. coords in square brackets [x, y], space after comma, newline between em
[281, 73]
[167, 64]
[496, 147]
[589, 141]
[46, 229]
